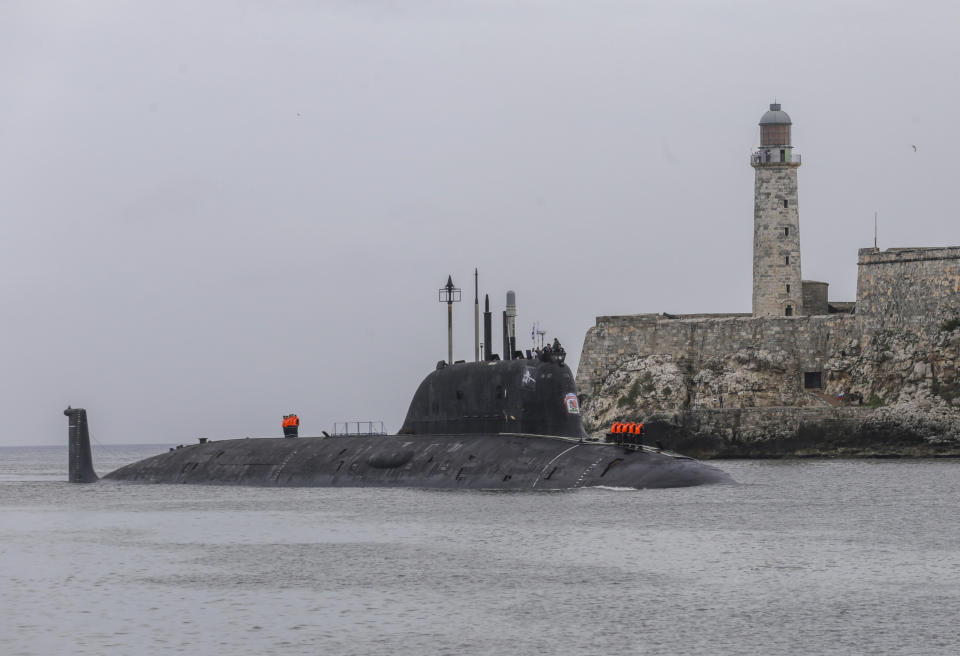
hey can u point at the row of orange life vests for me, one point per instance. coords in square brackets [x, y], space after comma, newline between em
[628, 427]
[290, 420]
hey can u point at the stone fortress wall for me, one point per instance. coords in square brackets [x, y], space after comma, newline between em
[739, 385]
[909, 283]
[820, 380]
[694, 355]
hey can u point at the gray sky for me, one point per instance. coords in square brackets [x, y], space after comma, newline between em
[214, 213]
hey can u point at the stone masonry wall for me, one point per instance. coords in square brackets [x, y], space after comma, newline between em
[735, 385]
[776, 239]
[788, 346]
[906, 285]
[815, 297]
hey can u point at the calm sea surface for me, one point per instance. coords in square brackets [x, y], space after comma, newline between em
[806, 557]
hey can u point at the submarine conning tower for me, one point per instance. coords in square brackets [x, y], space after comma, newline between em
[529, 396]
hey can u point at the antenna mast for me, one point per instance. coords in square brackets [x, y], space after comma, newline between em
[476, 317]
[449, 294]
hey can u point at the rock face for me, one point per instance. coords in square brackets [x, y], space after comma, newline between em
[767, 387]
[882, 381]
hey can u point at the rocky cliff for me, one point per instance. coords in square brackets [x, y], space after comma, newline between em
[799, 386]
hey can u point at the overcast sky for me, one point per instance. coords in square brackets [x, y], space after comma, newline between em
[214, 213]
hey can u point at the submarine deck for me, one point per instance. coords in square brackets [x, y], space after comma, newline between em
[485, 461]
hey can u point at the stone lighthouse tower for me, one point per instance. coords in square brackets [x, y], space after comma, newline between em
[777, 285]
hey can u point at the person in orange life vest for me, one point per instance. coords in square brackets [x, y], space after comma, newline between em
[291, 425]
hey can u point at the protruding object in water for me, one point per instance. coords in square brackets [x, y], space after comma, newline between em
[81, 462]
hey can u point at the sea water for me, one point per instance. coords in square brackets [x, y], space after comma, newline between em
[800, 557]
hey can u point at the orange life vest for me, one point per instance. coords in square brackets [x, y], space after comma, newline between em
[292, 420]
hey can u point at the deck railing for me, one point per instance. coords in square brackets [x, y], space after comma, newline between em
[772, 156]
[357, 428]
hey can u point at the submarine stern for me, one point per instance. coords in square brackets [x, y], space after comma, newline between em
[80, 461]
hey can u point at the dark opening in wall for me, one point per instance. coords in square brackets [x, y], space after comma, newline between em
[812, 380]
[787, 260]
[783, 155]
[786, 203]
[789, 311]
[786, 232]
[788, 288]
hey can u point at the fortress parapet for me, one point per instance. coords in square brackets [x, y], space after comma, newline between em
[909, 283]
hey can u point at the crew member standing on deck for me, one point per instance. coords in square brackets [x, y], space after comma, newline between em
[291, 425]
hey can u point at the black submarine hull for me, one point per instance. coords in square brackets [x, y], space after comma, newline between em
[485, 425]
[503, 461]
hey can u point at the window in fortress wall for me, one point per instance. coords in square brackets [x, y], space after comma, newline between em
[812, 380]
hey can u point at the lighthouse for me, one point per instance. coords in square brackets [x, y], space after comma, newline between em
[777, 283]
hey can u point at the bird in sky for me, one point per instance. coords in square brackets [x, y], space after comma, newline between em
[914, 148]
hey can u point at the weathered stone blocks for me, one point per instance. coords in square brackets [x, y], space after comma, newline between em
[744, 381]
[777, 283]
[904, 285]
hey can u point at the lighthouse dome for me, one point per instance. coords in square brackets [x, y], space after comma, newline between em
[775, 127]
[775, 116]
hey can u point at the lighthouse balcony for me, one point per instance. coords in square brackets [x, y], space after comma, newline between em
[775, 156]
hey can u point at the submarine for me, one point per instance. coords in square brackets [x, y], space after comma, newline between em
[508, 424]
[511, 424]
